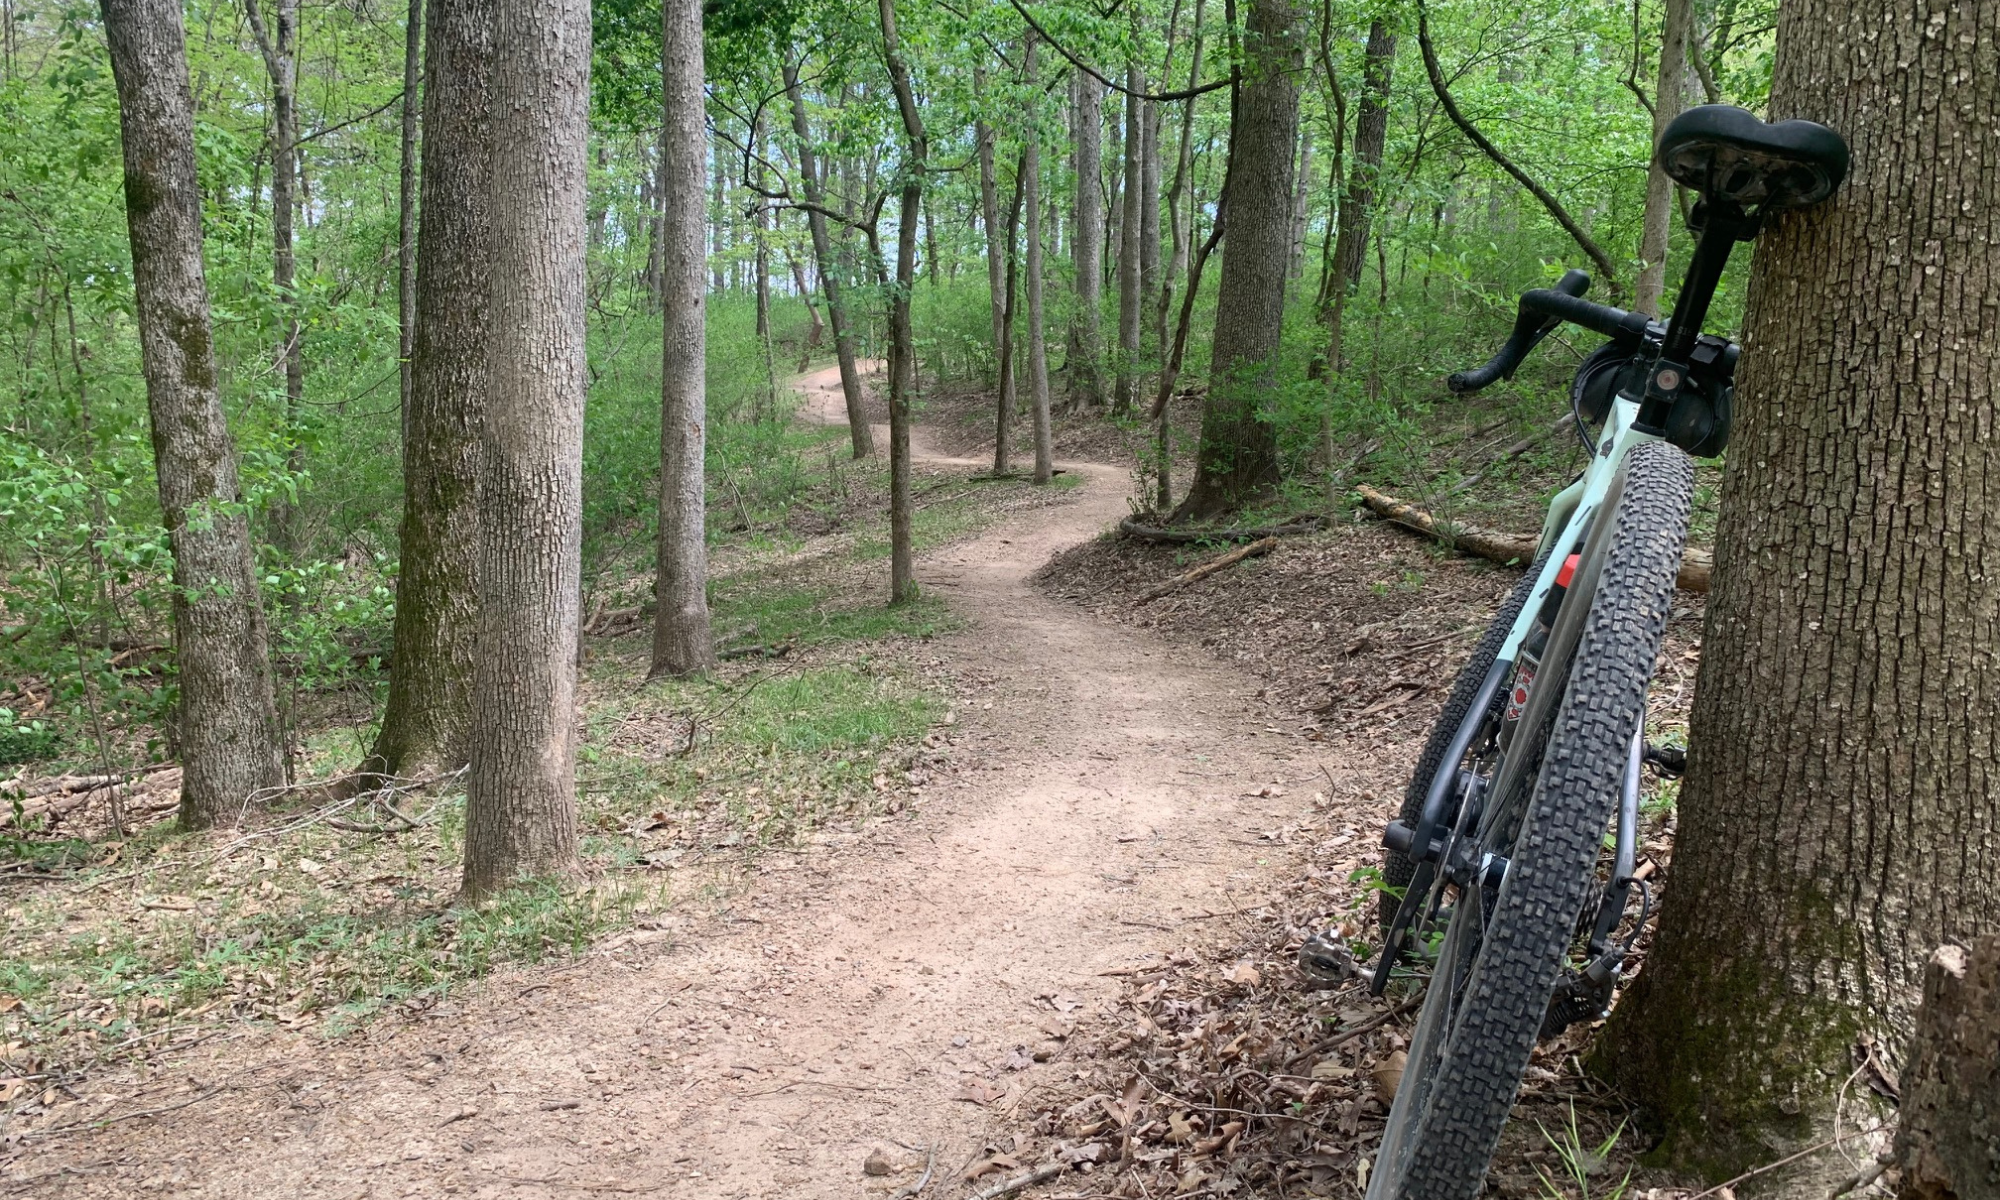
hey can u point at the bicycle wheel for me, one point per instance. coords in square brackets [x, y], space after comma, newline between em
[1397, 869]
[1554, 793]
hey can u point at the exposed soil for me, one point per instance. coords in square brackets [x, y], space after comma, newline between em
[908, 988]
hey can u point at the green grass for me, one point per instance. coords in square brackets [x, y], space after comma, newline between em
[770, 610]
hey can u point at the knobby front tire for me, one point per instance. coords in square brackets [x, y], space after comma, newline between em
[1470, 1048]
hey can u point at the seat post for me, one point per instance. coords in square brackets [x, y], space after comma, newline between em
[1724, 226]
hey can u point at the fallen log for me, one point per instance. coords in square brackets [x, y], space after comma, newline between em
[1219, 563]
[1512, 549]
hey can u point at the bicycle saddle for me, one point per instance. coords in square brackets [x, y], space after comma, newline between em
[1728, 154]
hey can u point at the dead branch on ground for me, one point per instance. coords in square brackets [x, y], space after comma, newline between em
[1220, 563]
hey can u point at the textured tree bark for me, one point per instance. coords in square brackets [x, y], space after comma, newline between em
[228, 719]
[1038, 351]
[1237, 458]
[861, 437]
[683, 642]
[406, 198]
[903, 354]
[1839, 814]
[1131, 230]
[1657, 222]
[1948, 1126]
[427, 724]
[279, 47]
[520, 806]
[1086, 332]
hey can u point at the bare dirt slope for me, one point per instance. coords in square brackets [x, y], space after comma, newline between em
[890, 992]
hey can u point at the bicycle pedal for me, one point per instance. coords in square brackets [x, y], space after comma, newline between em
[1325, 959]
[1670, 761]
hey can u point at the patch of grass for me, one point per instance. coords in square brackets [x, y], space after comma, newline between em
[297, 922]
[766, 608]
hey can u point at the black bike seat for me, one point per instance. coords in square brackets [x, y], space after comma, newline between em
[1728, 154]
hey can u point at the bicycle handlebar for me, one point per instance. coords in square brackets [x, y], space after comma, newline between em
[1541, 311]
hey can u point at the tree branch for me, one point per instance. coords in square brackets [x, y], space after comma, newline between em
[1087, 69]
[1554, 206]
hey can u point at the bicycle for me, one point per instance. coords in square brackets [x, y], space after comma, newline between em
[1494, 860]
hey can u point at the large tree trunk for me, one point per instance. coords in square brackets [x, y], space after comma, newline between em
[228, 718]
[1085, 357]
[1131, 228]
[279, 47]
[1038, 352]
[520, 806]
[1237, 459]
[1839, 815]
[902, 346]
[406, 199]
[683, 642]
[861, 436]
[1657, 222]
[428, 722]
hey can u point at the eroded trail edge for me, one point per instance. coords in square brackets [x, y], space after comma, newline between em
[892, 991]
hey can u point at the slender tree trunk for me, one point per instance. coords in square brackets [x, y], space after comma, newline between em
[1355, 215]
[1003, 413]
[520, 807]
[279, 46]
[1237, 459]
[718, 219]
[1841, 812]
[1038, 354]
[1301, 201]
[228, 727]
[1657, 222]
[816, 328]
[1371, 135]
[1131, 227]
[903, 354]
[1086, 332]
[406, 200]
[656, 240]
[861, 436]
[989, 207]
[427, 724]
[683, 642]
[1181, 223]
[1149, 227]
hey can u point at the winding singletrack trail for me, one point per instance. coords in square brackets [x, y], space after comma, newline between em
[871, 995]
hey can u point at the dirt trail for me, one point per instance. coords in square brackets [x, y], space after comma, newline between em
[868, 995]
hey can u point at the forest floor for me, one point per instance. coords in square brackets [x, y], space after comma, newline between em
[903, 989]
[1072, 950]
